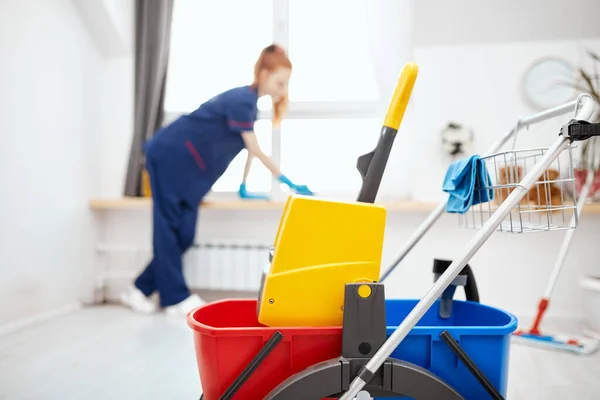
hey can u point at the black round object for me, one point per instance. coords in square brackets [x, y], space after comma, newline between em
[364, 348]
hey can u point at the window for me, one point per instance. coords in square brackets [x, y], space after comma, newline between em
[335, 107]
[323, 152]
[207, 54]
[330, 51]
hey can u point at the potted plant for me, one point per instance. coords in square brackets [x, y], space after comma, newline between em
[590, 149]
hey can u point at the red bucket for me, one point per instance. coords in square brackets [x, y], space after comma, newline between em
[227, 336]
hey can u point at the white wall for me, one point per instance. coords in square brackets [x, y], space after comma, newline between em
[472, 57]
[478, 85]
[110, 24]
[472, 76]
[469, 72]
[115, 125]
[54, 102]
[456, 22]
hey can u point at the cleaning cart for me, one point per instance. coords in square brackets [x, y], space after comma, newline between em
[321, 326]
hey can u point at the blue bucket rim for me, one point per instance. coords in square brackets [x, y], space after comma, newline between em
[505, 329]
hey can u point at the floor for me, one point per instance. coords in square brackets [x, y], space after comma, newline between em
[107, 352]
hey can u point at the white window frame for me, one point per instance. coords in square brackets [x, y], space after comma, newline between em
[299, 110]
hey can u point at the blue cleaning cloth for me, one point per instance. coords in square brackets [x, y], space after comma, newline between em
[464, 182]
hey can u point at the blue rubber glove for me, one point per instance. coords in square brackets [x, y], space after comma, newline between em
[244, 194]
[284, 179]
[300, 189]
[303, 190]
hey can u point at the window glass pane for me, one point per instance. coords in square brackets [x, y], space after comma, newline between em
[322, 153]
[330, 50]
[208, 55]
[259, 179]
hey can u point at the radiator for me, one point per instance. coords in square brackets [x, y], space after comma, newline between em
[222, 265]
[235, 266]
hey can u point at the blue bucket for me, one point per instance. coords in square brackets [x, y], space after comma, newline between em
[482, 331]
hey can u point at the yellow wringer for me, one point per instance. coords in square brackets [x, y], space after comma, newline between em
[321, 245]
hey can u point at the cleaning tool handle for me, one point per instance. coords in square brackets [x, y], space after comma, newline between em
[401, 96]
[464, 357]
[372, 165]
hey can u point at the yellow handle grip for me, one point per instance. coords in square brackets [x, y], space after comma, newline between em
[401, 96]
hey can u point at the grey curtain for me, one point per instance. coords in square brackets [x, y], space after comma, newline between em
[152, 36]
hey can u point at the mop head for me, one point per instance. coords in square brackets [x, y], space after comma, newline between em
[567, 343]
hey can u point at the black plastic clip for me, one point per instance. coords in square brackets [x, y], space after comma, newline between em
[578, 130]
[465, 278]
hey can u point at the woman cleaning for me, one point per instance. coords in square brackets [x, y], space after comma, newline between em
[185, 159]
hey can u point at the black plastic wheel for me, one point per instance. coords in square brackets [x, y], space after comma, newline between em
[330, 378]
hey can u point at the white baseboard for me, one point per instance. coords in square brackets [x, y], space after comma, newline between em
[37, 319]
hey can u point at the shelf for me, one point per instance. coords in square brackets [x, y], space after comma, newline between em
[133, 203]
[128, 203]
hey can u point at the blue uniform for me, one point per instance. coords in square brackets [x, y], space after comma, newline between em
[184, 160]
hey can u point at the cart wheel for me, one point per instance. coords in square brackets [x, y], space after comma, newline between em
[395, 378]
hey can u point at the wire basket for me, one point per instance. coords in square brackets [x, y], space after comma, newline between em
[549, 205]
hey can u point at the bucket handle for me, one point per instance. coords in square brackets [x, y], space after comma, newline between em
[250, 368]
[464, 357]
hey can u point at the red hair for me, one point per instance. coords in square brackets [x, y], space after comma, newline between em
[271, 58]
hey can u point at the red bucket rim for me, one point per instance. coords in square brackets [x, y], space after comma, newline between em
[205, 329]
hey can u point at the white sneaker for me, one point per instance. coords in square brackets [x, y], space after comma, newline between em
[184, 307]
[138, 302]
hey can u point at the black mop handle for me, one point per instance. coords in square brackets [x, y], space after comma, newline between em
[464, 357]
